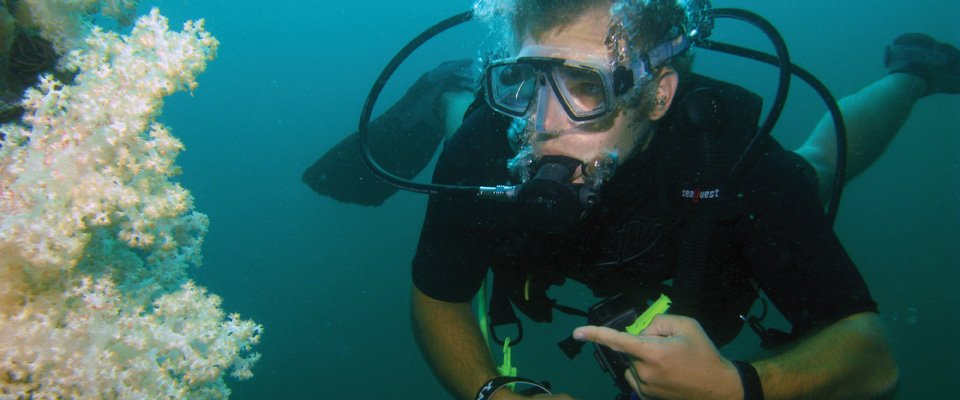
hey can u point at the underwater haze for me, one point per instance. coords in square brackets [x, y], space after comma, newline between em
[330, 281]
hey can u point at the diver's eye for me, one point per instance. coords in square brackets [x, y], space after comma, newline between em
[511, 75]
[585, 95]
[586, 88]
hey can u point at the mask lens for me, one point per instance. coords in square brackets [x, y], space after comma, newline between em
[512, 87]
[583, 89]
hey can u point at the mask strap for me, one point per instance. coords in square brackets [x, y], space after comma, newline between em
[658, 55]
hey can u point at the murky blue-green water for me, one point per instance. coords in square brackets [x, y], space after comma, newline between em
[329, 281]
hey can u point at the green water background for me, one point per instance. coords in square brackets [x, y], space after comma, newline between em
[330, 281]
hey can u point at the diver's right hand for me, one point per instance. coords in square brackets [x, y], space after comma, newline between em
[938, 64]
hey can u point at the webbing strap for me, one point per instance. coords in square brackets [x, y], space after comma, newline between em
[687, 291]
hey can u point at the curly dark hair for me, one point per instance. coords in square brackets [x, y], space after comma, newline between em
[537, 17]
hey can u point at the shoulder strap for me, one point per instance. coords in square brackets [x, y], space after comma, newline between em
[693, 254]
[501, 311]
[704, 135]
[711, 128]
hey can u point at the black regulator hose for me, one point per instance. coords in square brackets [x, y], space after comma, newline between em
[783, 61]
[363, 132]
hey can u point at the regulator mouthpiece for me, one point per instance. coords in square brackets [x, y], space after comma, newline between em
[549, 201]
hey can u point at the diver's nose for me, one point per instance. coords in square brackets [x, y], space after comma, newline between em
[550, 114]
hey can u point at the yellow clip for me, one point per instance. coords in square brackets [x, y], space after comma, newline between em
[526, 288]
[658, 307]
[507, 369]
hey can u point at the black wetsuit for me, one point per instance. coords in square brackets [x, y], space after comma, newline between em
[777, 239]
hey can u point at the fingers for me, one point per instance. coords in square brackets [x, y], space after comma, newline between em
[616, 340]
[633, 377]
[660, 326]
[666, 325]
[662, 330]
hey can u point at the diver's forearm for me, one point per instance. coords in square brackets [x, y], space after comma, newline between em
[850, 359]
[874, 115]
[450, 339]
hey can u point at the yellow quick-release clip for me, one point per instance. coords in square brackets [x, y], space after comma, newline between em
[526, 288]
[507, 368]
[658, 307]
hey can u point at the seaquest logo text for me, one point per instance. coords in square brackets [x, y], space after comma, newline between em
[696, 194]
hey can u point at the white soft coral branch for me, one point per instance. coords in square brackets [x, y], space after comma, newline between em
[95, 239]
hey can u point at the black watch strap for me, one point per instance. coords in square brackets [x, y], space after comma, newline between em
[494, 385]
[750, 380]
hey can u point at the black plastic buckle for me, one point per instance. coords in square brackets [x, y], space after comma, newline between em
[769, 338]
[493, 335]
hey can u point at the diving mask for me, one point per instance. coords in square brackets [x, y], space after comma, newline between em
[585, 90]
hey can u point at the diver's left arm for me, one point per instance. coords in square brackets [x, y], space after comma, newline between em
[919, 66]
[800, 264]
[872, 116]
[850, 359]
[674, 359]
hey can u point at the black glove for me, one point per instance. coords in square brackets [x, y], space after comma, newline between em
[938, 64]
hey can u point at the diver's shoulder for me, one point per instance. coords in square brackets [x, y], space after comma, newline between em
[476, 154]
[777, 167]
[483, 132]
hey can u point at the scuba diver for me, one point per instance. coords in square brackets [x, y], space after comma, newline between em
[638, 179]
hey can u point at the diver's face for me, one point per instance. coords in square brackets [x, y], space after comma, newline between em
[614, 136]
